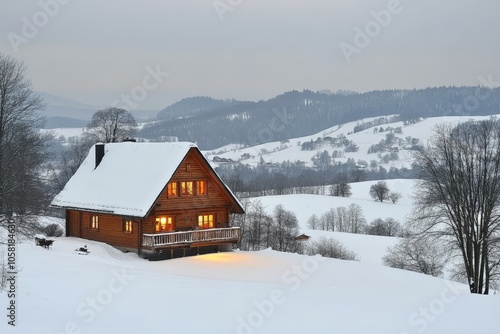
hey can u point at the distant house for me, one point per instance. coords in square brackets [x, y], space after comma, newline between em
[156, 199]
[302, 237]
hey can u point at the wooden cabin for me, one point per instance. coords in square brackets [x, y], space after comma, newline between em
[157, 199]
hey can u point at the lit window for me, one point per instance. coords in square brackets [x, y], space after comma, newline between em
[94, 224]
[187, 188]
[206, 221]
[201, 187]
[164, 223]
[127, 226]
[172, 189]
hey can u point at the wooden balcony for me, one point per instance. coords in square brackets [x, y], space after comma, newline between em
[195, 238]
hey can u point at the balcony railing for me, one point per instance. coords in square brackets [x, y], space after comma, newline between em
[191, 237]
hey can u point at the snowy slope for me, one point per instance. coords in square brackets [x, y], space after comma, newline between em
[277, 152]
[370, 248]
[304, 206]
[241, 292]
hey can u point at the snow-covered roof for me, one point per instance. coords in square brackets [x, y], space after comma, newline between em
[127, 181]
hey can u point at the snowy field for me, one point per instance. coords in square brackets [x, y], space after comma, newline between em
[370, 248]
[304, 206]
[108, 291]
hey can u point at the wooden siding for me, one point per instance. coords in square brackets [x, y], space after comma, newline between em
[110, 230]
[215, 197]
[186, 219]
[73, 225]
[186, 208]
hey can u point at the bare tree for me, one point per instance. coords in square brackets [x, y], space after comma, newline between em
[313, 222]
[419, 254]
[356, 221]
[394, 196]
[330, 220]
[258, 220]
[22, 146]
[458, 197]
[358, 175]
[329, 247]
[322, 160]
[389, 227]
[286, 229]
[70, 160]
[341, 186]
[379, 191]
[392, 226]
[341, 222]
[111, 125]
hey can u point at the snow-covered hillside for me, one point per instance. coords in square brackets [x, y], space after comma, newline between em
[107, 291]
[370, 248]
[304, 206]
[291, 150]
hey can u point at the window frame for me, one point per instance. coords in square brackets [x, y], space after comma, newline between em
[158, 225]
[205, 187]
[184, 187]
[202, 221]
[170, 188]
[126, 224]
[94, 222]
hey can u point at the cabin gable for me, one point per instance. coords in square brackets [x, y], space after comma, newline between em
[191, 192]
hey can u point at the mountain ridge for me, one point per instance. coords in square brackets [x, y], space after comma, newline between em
[295, 114]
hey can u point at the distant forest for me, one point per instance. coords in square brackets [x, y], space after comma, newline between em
[214, 123]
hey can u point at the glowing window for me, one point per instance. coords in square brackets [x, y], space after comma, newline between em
[201, 187]
[206, 221]
[187, 188]
[127, 226]
[172, 189]
[94, 223]
[164, 223]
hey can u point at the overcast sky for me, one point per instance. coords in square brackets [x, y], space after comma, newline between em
[95, 51]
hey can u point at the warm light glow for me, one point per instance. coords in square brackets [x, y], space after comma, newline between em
[206, 221]
[187, 187]
[172, 189]
[164, 223]
[128, 226]
[201, 187]
[95, 223]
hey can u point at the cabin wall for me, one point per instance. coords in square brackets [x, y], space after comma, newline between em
[73, 224]
[192, 170]
[185, 209]
[186, 219]
[110, 230]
